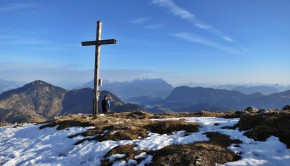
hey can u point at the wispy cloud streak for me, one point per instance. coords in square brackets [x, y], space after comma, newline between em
[20, 41]
[141, 20]
[18, 6]
[185, 14]
[176, 10]
[198, 39]
[145, 22]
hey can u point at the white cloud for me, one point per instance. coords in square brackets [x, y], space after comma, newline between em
[19, 41]
[227, 38]
[141, 20]
[144, 21]
[198, 39]
[175, 9]
[202, 25]
[185, 14]
[18, 6]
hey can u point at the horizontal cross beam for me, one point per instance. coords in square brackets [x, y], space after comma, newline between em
[100, 42]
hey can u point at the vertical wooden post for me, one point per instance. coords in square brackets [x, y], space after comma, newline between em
[97, 70]
[97, 43]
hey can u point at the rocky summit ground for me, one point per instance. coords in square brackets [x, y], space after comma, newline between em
[135, 125]
[141, 138]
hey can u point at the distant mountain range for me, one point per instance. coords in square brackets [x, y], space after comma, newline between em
[266, 90]
[246, 88]
[186, 99]
[152, 87]
[156, 87]
[40, 101]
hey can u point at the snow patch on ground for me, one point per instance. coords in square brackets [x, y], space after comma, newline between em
[28, 145]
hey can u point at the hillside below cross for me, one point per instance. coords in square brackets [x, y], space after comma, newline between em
[97, 81]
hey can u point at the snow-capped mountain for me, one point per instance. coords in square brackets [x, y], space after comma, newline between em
[151, 87]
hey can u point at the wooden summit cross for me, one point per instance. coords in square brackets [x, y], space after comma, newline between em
[97, 81]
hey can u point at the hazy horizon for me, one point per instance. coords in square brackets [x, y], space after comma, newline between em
[219, 85]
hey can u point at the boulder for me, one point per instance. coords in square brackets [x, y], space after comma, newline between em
[251, 110]
[264, 110]
[286, 107]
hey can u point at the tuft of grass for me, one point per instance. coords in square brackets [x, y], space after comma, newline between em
[221, 139]
[68, 123]
[120, 126]
[262, 125]
[200, 153]
[232, 114]
[116, 135]
[127, 149]
[135, 125]
[206, 153]
[2, 124]
[131, 115]
[169, 126]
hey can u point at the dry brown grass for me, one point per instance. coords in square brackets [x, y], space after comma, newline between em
[206, 153]
[132, 115]
[134, 129]
[4, 124]
[172, 115]
[129, 152]
[221, 139]
[71, 121]
[209, 152]
[169, 126]
[232, 114]
[120, 126]
[263, 125]
[135, 125]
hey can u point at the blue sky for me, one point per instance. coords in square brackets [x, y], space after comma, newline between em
[203, 41]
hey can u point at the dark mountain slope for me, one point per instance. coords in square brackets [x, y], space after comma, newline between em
[204, 95]
[39, 101]
[186, 99]
[81, 101]
[266, 90]
[274, 101]
[36, 101]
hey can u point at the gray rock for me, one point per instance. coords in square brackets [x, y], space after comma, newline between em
[286, 107]
[251, 110]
